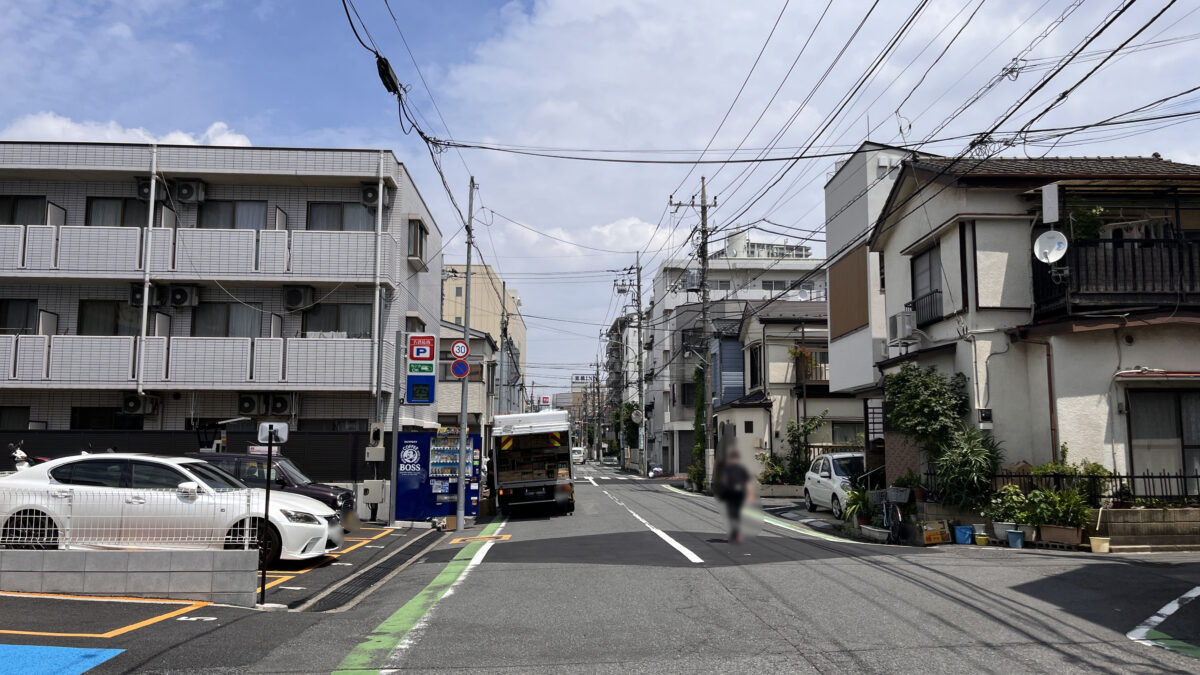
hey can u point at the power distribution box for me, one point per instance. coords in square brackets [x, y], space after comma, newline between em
[376, 454]
[374, 492]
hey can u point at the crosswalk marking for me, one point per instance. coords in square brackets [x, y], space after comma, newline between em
[622, 478]
[605, 477]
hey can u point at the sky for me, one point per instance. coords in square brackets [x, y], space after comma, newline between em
[653, 79]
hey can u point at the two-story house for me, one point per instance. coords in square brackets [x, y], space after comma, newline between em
[1096, 350]
[277, 282]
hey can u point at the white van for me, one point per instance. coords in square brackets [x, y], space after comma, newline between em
[577, 455]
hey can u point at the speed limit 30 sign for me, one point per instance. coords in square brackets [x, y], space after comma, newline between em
[460, 349]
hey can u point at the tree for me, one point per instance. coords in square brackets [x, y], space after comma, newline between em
[696, 470]
[924, 404]
[798, 451]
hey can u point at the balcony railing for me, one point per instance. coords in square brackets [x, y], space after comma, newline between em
[1099, 273]
[928, 308]
[203, 363]
[289, 256]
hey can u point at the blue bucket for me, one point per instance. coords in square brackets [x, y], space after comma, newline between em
[964, 534]
[1016, 539]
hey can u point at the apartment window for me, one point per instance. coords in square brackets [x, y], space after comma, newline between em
[721, 285]
[756, 366]
[340, 217]
[14, 418]
[348, 425]
[104, 419]
[848, 433]
[417, 234]
[352, 319]
[18, 317]
[226, 319]
[458, 320]
[413, 324]
[748, 425]
[688, 393]
[458, 291]
[109, 317]
[776, 285]
[233, 215]
[22, 210]
[882, 276]
[116, 212]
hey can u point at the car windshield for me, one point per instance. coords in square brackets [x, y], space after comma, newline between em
[848, 466]
[213, 477]
[295, 474]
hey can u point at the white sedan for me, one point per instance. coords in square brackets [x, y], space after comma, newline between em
[121, 500]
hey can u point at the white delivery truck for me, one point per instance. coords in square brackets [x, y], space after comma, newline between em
[533, 461]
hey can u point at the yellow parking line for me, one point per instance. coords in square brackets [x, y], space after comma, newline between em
[190, 605]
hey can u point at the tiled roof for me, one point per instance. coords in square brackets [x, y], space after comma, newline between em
[1062, 167]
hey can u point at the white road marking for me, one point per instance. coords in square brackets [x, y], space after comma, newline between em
[605, 477]
[622, 478]
[1139, 634]
[687, 553]
[592, 481]
[638, 478]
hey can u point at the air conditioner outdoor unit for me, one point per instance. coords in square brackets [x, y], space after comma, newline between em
[184, 296]
[133, 404]
[189, 191]
[297, 297]
[143, 190]
[370, 195]
[137, 292]
[902, 327]
[882, 351]
[251, 404]
[282, 404]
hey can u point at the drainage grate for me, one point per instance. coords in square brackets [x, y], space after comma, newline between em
[352, 589]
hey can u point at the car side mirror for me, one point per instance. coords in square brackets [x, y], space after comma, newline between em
[824, 474]
[188, 489]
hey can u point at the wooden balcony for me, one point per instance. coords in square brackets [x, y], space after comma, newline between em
[1100, 274]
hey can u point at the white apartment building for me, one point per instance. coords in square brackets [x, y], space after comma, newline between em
[742, 272]
[278, 280]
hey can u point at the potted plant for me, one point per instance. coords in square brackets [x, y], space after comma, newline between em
[1123, 497]
[912, 482]
[1003, 510]
[1068, 513]
[858, 506]
[875, 531]
[1033, 513]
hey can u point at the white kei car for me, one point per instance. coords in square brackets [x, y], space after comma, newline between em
[125, 500]
[829, 478]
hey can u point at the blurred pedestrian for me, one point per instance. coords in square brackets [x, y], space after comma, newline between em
[736, 490]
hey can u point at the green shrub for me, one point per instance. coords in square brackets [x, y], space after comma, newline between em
[1067, 508]
[773, 473]
[965, 466]
[1005, 505]
[1035, 510]
[908, 480]
[858, 503]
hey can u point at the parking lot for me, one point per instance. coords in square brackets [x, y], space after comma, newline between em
[77, 633]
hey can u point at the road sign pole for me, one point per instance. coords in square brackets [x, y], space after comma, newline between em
[460, 507]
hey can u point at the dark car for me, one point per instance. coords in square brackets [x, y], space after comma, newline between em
[252, 470]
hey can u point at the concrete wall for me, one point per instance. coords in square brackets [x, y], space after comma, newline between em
[224, 577]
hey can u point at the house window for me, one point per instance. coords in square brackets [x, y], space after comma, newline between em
[458, 320]
[458, 291]
[776, 285]
[748, 426]
[226, 319]
[22, 210]
[848, 433]
[352, 319]
[688, 392]
[14, 417]
[104, 419]
[721, 285]
[115, 212]
[882, 276]
[756, 366]
[18, 317]
[414, 324]
[233, 215]
[109, 317]
[927, 286]
[1164, 429]
[340, 217]
[417, 234]
[347, 425]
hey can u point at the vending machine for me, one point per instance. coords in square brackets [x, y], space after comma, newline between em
[426, 475]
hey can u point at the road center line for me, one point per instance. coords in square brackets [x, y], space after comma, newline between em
[692, 557]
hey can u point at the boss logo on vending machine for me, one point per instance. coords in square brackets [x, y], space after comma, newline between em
[410, 458]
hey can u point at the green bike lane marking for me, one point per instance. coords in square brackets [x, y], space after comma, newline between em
[372, 654]
[1147, 632]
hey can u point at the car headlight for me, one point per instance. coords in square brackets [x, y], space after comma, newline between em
[845, 484]
[342, 498]
[300, 517]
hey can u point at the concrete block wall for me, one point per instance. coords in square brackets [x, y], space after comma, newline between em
[224, 577]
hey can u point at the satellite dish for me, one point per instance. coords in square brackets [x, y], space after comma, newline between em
[1050, 246]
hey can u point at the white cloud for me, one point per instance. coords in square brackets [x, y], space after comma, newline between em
[48, 126]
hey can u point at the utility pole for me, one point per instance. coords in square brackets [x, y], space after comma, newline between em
[641, 409]
[463, 445]
[504, 394]
[596, 414]
[705, 325]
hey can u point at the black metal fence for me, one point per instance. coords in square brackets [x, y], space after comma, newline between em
[1150, 487]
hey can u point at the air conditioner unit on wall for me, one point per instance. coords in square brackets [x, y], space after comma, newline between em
[297, 297]
[370, 195]
[282, 404]
[134, 404]
[190, 191]
[251, 404]
[143, 190]
[184, 296]
[158, 293]
[902, 327]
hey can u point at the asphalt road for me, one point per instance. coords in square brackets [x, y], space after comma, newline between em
[642, 578]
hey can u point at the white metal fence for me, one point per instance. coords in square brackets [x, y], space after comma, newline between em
[102, 517]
